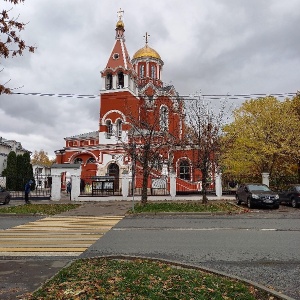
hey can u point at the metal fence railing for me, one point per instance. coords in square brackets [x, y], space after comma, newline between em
[156, 186]
[40, 189]
[100, 186]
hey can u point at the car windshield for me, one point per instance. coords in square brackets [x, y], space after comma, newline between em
[297, 188]
[256, 187]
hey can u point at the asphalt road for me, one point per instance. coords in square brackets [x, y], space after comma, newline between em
[263, 246]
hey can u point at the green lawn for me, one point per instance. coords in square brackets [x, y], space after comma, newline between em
[39, 209]
[211, 207]
[107, 278]
[150, 207]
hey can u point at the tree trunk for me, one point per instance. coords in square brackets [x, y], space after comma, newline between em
[204, 182]
[144, 198]
[204, 192]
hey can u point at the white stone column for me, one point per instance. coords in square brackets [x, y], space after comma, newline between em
[219, 185]
[172, 185]
[125, 185]
[114, 82]
[55, 187]
[75, 191]
[147, 69]
[103, 83]
[265, 178]
[126, 81]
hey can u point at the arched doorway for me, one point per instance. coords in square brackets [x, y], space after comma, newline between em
[113, 170]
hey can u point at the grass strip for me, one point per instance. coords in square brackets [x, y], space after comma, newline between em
[38, 209]
[108, 278]
[154, 207]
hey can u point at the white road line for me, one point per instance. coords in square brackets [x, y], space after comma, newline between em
[193, 229]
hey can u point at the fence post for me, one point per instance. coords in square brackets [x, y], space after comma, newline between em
[172, 185]
[75, 190]
[125, 185]
[219, 185]
[265, 178]
[55, 187]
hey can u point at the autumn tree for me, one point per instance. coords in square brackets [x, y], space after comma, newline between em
[41, 158]
[262, 138]
[148, 143]
[204, 129]
[11, 44]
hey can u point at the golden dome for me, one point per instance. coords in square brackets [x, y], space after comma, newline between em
[146, 52]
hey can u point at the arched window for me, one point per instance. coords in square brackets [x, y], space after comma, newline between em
[153, 72]
[184, 170]
[91, 160]
[120, 80]
[108, 81]
[119, 128]
[142, 71]
[164, 118]
[78, 160]
[109, 129]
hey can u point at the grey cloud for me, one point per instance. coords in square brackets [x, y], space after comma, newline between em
[217, 46]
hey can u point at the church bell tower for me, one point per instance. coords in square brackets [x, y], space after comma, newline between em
[119, 91]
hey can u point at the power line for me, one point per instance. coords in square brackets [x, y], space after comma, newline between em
[186, 97]
[57, 95]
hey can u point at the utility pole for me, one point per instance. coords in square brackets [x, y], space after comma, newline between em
[133, 173]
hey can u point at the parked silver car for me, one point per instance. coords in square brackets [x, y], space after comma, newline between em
[4, 196]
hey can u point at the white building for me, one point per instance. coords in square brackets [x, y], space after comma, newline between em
[42, 175]
[6, 146]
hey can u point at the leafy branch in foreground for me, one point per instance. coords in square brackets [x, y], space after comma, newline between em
[11, 43]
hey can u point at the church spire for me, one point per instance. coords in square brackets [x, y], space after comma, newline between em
[119, 72]
[120, 25]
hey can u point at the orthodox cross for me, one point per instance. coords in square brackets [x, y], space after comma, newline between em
[120, 13]
[146, 37]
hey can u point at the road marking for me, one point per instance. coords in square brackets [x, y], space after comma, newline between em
[55, 236]
[195, 229]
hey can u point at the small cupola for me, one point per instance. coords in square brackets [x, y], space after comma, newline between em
[120, 29]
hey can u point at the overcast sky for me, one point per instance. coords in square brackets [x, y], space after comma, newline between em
[212, 46]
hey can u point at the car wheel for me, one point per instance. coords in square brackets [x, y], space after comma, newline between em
[6, 200]
[294, 203]
[249, 203]
[238, 201]
[276, 206]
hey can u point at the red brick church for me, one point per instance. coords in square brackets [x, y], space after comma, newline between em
[131, 86]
